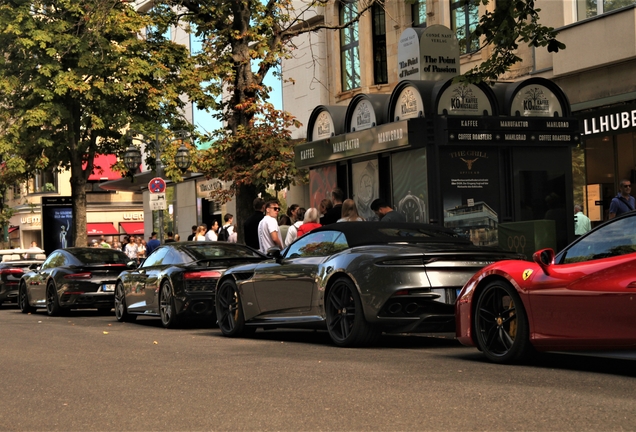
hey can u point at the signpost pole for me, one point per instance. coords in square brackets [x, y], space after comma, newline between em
[160, 175]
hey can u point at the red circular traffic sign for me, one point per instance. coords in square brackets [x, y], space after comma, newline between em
[157, 185]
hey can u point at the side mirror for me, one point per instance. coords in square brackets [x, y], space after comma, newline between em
[274, 252]
[133, 264]
[544, 258]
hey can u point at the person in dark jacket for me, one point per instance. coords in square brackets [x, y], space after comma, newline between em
[334, 213]
[250, 226]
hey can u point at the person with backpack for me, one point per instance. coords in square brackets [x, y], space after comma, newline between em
[227, 229]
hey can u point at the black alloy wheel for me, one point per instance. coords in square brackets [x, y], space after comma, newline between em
[229, 311]
[167, 308]
[345, 316]
[121, 310]
[501, 324]
[23, 300]
[52, 303]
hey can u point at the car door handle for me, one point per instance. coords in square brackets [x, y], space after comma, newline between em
[631, 284]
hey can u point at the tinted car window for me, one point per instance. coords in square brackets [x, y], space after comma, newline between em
[617, 238]
[156, 258]
[56, 259]
[101, 256]
[172, 257]
[322, 243]
[213, 250]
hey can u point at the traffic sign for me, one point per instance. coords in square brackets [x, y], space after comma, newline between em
[158, 201]
[157, 185]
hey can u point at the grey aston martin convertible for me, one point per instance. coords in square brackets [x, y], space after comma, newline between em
[356, 279]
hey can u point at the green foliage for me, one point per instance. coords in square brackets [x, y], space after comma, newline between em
[512, 22]
[73, 75]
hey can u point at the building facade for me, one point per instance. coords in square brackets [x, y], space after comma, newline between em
[331, 68]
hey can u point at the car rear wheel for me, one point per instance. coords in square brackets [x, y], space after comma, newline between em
[23, 300]
[121, 310]
[345, 317]
[167, 308]
[229, 311]
[501, 324]
[52, 303]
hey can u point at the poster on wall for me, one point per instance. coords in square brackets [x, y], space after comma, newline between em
[410, 184]
[57, 223]
[365, 187]
[470, 191]
[321, 182]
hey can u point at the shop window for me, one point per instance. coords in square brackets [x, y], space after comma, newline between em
[591, 8]
[418, 13]
[465, 18]
[42, 182]
[349, 47]
[379, 45]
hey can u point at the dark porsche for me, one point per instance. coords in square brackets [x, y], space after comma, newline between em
[356, 279]
[73, 278]
[178, 280]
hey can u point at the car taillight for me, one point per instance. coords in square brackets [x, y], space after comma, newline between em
[84, 275]
[201, 275]
[9, 271]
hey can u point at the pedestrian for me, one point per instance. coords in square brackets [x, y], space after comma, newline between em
[116, 244]
[200, 234]
[103, 243]
[250, 226]
[292, 232]
[194, 233]
[581, 222]
[385, 212]
[350, 212]
[131, 248]
[333, 214]
[141, 248]
[292, 213]
[177, 237]
[284, 222]
[169, 237]
[268, 231]
[623, 202]
[324, 207]
[310, 222]
[211, 234]
[224, 233]
[152, 244]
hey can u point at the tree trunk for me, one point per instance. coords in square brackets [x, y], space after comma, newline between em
[78, 192]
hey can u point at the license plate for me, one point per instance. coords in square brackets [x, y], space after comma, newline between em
[108, 287]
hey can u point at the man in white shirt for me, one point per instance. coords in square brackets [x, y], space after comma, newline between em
[581, 222]
[211, 234]
[268, 232]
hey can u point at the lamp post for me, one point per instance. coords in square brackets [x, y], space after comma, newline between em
[132, 158]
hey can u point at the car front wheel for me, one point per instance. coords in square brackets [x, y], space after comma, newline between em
[121, 310]
[167, 308]
[23, 300]
[345, 317]
[501, 324]
[229, 311]
[52, 303]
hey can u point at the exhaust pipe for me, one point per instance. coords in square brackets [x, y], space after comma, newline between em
[411, 308]
[395, 308]
[199, 308]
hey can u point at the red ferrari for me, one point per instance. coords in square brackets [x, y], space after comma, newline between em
[581, 299]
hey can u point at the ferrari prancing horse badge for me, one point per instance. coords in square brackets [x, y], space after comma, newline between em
[526, 274]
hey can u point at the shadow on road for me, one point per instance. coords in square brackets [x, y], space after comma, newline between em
[571, 362]
[321, 337]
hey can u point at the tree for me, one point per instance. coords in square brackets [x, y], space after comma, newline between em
[243, 40]
[74, 74]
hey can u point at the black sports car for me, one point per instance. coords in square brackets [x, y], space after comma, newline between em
[73, 278]
[356, 279]
[16, 262]
[178, 279]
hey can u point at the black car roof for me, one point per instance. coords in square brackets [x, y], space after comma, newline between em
[368, 233]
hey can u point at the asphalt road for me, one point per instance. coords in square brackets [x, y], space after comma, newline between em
[87, 372]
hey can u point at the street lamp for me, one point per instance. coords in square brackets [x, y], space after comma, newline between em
[132, 158]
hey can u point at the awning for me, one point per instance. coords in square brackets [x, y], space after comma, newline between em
[106, 228]
[132, 227]
[13, 228]
[102, 168]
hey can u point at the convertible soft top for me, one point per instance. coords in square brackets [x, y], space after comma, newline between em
[368, 233]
